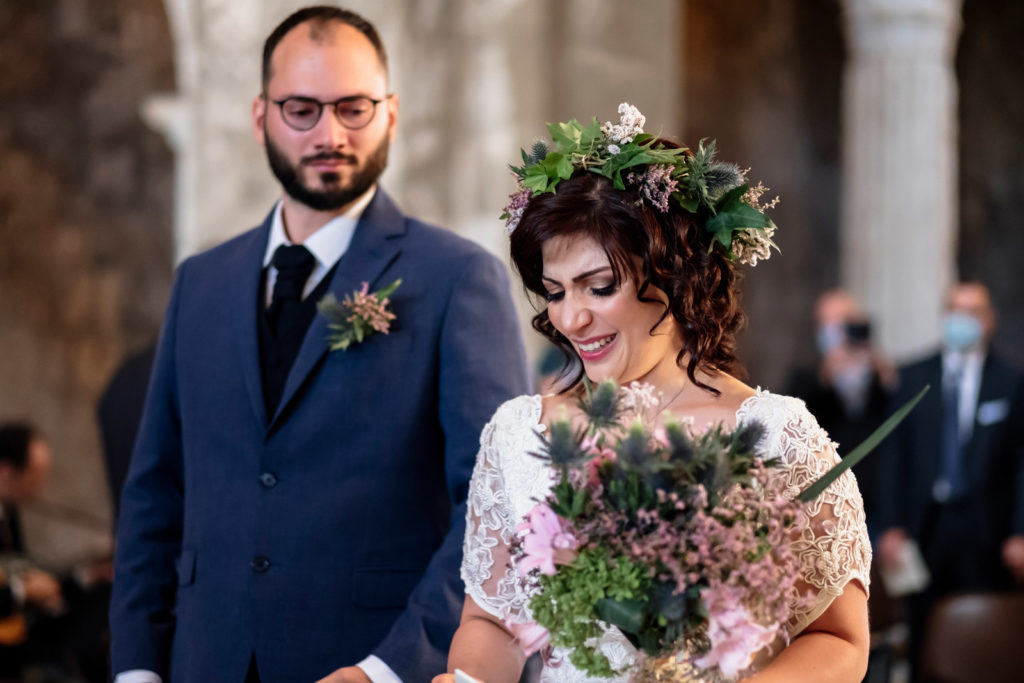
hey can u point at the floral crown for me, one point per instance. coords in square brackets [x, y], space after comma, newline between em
[716, 192]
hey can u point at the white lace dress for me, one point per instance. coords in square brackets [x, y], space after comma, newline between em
[507, 482]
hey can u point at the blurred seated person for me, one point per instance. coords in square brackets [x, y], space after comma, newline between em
[849, 390]
[46, 622]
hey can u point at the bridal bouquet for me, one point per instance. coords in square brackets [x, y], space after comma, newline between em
[677, 539]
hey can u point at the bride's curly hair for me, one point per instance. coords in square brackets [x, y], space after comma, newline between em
[675, 256]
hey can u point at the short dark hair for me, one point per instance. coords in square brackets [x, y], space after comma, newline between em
[320, 16]
[675, 255]
[15, 438]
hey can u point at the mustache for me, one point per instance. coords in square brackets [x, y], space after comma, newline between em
[329, 156]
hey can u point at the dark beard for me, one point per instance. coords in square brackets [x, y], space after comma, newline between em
[330, 199]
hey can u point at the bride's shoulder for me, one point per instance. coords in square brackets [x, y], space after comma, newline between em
[524, 409]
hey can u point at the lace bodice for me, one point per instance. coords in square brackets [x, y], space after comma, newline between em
[507, 482]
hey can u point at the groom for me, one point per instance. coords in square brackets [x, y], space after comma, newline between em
[293, 513]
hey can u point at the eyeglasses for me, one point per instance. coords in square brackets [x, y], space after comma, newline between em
[302, 113]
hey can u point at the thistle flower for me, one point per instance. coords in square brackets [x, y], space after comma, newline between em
[603, 406]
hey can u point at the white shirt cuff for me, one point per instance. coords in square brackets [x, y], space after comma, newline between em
[375, 668]
[138, 676]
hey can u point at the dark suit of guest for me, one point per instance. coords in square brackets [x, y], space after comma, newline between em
[119, 413]
[849, 429]
[329, 528]
[960, 538]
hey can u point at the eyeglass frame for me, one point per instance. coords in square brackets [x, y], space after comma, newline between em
[323, 105]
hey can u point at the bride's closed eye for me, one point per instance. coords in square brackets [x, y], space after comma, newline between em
[604, 291]
[553, 296]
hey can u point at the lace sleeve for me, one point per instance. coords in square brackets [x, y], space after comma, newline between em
[833, 543]
[487, 570]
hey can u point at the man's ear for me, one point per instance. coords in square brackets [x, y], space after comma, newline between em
[259, 115]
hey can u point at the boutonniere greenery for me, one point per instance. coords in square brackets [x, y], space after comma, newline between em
[361, 314]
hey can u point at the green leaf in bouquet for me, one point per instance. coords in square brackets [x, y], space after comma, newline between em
[861, 451]
[628, 615]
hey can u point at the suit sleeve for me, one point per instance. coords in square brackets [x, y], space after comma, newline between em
[151, 520]
[482, 364]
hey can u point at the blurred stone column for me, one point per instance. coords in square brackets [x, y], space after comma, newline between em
[899, 203]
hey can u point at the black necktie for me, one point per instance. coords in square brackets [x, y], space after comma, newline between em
[294, 263]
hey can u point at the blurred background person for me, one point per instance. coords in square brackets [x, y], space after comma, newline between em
[956, 465]
[52, 628]
[848, 392]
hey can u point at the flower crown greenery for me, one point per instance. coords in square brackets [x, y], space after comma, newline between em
[716, 192]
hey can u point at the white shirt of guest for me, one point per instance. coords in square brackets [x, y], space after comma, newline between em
[968, 364]
[328, 244]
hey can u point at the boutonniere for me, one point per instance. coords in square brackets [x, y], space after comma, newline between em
[361, 314]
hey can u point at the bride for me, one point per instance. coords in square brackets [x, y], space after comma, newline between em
[637, 288]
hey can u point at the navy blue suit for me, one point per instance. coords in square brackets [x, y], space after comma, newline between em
[333, 528]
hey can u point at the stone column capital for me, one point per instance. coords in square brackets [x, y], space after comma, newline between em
[902, 30]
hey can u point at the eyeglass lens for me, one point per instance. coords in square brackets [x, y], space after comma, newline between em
[303, 113]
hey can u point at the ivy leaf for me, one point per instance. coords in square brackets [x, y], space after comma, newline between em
[628, 615]
[732, 213]
[536, 179]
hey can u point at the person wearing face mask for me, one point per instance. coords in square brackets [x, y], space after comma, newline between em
[848, 392]
[956, 465]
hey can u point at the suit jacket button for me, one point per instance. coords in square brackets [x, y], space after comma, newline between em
[260, 564]
[268, 480]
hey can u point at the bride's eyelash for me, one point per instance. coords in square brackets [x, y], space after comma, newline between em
[553, 296]
[604, 291]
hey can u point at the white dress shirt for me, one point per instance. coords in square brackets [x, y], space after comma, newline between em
[969, 364]
[328, 244]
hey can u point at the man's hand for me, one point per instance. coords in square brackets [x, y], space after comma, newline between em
[42, 590]
[890, 548]
[443, 678]
[348, 674]
[1013, 556]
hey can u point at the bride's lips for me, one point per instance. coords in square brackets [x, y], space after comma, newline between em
[595, 348]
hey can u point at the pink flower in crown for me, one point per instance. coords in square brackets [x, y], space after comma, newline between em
[735, 636]
[531, 636]
[546, 542]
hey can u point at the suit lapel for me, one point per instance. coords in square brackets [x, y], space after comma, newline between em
[246, 276]
[374, 246]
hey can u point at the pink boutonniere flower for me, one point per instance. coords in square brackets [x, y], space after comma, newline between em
[361, 314]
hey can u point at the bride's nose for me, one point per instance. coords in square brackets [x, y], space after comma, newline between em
[574, 316]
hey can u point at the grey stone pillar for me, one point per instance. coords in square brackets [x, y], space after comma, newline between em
[899, 203]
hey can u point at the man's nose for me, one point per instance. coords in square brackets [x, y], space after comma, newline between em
[330, 134]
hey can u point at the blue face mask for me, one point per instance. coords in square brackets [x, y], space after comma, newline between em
[829, 337]
[961, 331]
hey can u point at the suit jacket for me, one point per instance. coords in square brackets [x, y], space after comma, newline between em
[993, 457]
[333, 528]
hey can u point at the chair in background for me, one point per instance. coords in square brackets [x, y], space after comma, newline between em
[975, 637]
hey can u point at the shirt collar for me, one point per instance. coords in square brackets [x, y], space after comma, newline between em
[329, 242]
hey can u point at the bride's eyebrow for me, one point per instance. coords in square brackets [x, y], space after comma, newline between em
[581, 276]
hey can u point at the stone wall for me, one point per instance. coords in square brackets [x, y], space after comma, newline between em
[766, 85]
[85, 229]
[991, 242]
